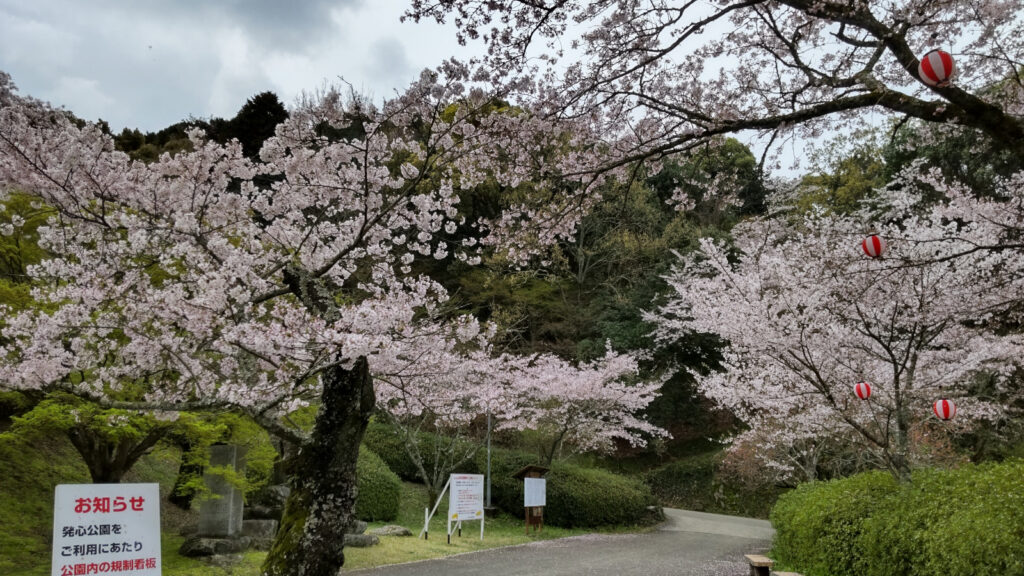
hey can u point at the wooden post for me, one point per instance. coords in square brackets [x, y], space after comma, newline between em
[759, 565]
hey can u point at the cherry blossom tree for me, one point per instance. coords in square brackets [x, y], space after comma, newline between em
[427, 388]
[208, 281]
[807, 315]
[661, 77]
[587, 407]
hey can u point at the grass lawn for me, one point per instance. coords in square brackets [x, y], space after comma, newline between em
[30, 471]
[502, 530]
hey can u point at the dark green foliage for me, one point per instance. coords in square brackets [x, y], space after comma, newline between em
[962, 154]
[576, 496]
[506, 491]
[29, 471]
[19, 245]
[965, 521]
[818, 524]
[387, 443]
[845, 173]
[724, 157]
[256, 121]
[251, 126]
[13, 404]
[693, 483]
[380, 490]
[586, 497]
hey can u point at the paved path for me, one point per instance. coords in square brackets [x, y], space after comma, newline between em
[688, 543]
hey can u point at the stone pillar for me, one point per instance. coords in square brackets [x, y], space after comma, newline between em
[222, 517]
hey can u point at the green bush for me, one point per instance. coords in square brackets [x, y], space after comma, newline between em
[586, 497]
[576, 496]
[817, 526]
[965, 521]
[380, 490]
[506, 491]
[386, 443]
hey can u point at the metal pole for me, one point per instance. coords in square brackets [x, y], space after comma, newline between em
[488, 458]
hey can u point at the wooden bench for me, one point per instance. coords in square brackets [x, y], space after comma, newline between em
[786, 574]
[759, 565]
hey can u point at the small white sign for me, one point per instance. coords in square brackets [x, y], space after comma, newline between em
[466, 499]
[106, 529]
[534, 492]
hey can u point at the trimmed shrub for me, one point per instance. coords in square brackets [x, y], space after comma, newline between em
[380, 490]
[587, 497]
[576, 496]
[965, 521]
[817, 526]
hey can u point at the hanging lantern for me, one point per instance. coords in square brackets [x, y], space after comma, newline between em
[944, 409]
[863, 390]
[936, 68]
[873, 246]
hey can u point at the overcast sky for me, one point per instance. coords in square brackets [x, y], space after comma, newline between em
[150, 63]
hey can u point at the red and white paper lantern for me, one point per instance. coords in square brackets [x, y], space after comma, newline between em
[944, 409]
[863, 390]
[936, 68]
[873, 246]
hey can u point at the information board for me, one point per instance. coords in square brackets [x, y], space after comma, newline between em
[106, 529]
[534, 492]
[466, 498]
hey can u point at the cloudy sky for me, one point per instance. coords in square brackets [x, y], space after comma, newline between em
[150, 63]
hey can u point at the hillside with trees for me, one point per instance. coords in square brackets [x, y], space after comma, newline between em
[579, 262]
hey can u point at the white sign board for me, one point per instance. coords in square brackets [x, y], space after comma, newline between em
[534, 492]
[466, 499]
[106, 529]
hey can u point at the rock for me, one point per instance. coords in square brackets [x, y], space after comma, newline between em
[261, 532]
[259, 528]
[361, 540]
[232, 545]
[357, 527]
[655, 514]
[261, 512]
[275, 496]
[197, 546]
[391, 530]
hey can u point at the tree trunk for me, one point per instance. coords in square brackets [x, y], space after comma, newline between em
[108, 461]
[321, 506]
[181, 496]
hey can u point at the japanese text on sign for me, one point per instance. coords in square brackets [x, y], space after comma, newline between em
[466, 499]
[106, 529]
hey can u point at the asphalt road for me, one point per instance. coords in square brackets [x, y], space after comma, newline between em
[687, 544]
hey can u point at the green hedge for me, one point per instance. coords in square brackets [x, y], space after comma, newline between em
[586, 497]
[576, 496]
[380, 490]
[817, 526]
[965, 521]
